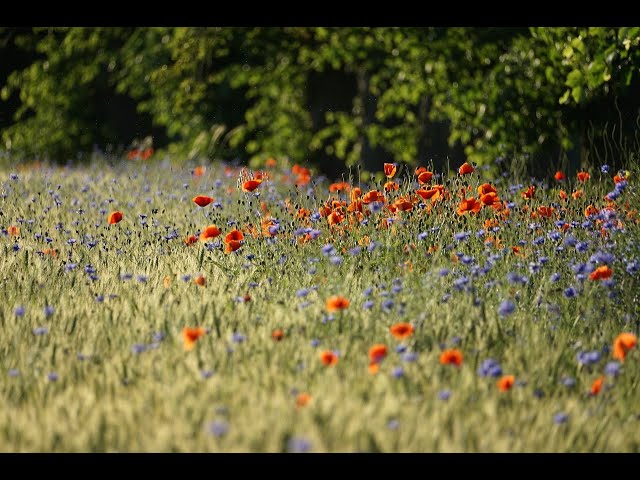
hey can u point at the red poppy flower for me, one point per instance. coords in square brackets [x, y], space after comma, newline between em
[234, 235]
[202, 200]
[251, 185]
[470, 205]
[506, 382]
[191, 335]
[389, 170]
[212, 231]
[115, 217]
[377, 353]
[622, 344]
[486, 188]
[391, 186]
[302, 399]
[465, 169]
[529, 193]
[425, 177]
[372, 196]
[232, 246]
[559, 176]
[337, 303]
[490, 199]
[583, 176]
[451, 357]
[277, 334]
[601, 273]
[401, 330]
[328, 358]
[545, 212]
[596, 386]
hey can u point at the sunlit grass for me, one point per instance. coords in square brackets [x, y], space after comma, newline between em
[109, 370]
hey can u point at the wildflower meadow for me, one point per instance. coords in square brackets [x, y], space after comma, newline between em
[147, 306]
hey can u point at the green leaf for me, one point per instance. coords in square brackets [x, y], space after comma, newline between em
[574, 78]
[576, 93]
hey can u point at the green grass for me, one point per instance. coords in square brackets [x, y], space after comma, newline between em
[114, 399]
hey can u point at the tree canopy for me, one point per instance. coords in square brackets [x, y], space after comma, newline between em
[343, 96]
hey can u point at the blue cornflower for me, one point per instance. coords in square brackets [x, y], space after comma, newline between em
[19, 311]
[444, 395]
[387, 305]
[467, 260]
[376, 206]
[328, 250]
[142, 278]
[633, 267]
[397, 372]
[570, 241]
[461, 236]
[218, 428]
[604, 168]
[612, 369]
[602, 257]
[14, 372]
[355, 251]
[315, 342]
[314, 233]
[335, 260]
[368, 304]
[570, 292]
[490, 368]
[459, 283]
[560, 418]
[555, 277]
[205, 374]
[568, 382]
[588, 358]
[52, 376]
[554, 235]
[409, 357]
[38, 331]
[48, 310]
[298, 445]
[513, 277]
[393, 424]
[443, 272]
[423, 236]
[238, 337]
[367, 291]
[582, 247]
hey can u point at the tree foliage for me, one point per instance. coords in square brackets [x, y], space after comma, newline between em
[352, 95]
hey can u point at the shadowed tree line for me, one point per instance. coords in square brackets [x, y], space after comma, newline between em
[333, 96]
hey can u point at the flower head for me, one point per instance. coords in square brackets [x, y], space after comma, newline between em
[190, 336]
[622, 344]
[401, 330]
[506, 382]
[336, 303]
[202, 200]
[451, 357]
[115, 217]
